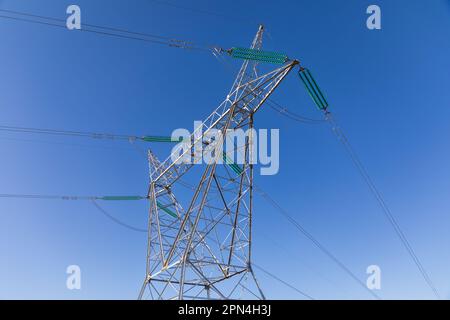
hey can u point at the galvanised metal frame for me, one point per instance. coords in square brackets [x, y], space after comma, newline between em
[205, 252]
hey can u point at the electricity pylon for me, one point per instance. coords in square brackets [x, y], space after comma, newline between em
[203, 251]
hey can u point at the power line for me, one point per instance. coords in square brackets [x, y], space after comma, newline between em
[101, 30]
[69, 144]
[288, 255]
[115, 220]
[164, 41]
[337, 130]
[92, 199]
[310, 237]
[110, 136]
[86, 24]
[321, 102]
[71, 197]
[84, 134]
[291, 115]
[83, 30]
[94, 135]
[48, 197]
[282, 281]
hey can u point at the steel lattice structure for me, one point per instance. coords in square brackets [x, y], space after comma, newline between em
[203, 250]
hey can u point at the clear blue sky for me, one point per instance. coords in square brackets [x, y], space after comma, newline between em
[388, 88]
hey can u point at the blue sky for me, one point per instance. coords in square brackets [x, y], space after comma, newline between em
[388, 89]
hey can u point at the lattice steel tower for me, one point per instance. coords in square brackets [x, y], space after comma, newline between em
[203, 250]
